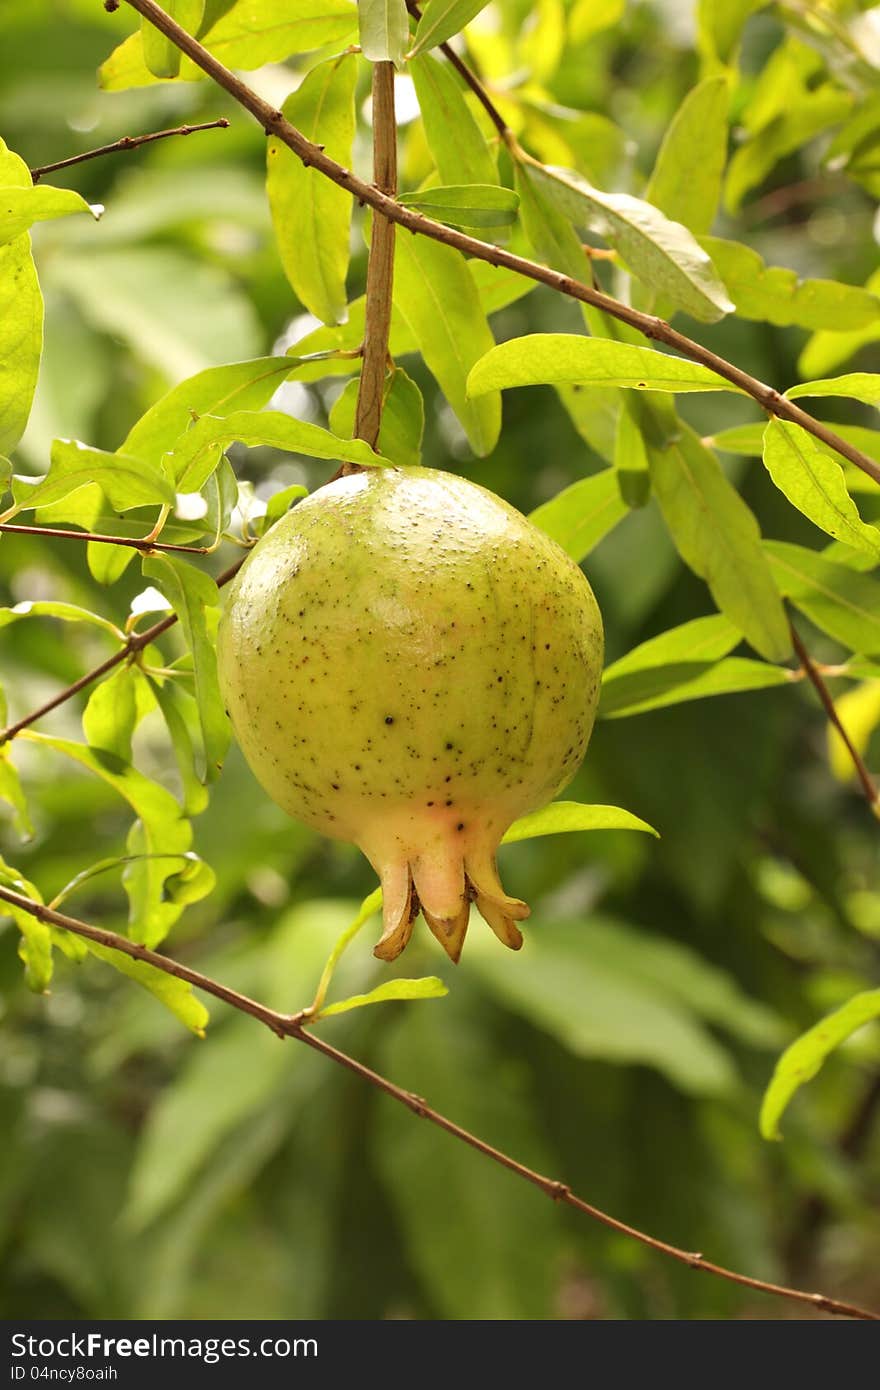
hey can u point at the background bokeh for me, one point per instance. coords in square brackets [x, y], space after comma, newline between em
[145, 1173]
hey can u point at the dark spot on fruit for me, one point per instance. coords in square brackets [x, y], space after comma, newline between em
[389, 719]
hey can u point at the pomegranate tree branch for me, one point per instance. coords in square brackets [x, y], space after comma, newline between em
[470, 77]
[653, 328]
[128, 142]
[135, 544]
[869, 786]
[380, 267]
[293, 1026]
[135, 643]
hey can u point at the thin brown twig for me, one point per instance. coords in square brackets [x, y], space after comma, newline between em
[651, 327]
[293, 1026]
[470, 77]
[380, 267]
[869, 786]
[128, 142]
[135, 544]
[135, 643]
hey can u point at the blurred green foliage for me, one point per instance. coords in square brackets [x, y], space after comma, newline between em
[143, 1170]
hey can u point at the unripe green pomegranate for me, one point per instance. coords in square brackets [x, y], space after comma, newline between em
[411, 665]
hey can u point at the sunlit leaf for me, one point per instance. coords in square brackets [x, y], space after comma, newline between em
[436, 298]
[554, 357]
[580, 515]
[57, 608]
[454, 138]
[772, 294]
[311, 215]
[429, 987]
[686, 182]
[162, 56]
[563, 816]
[662, 253]
[403, 418]
[466, 205]
[861, 386]
[192, 594]
[441, 19]
[718, 536]
[21, 338]
[384, 30]
[803, 1060]
[656, 687]
[841, 601]
[812, 479]
[125, 482]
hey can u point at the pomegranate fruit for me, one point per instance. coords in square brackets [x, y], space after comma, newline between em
[410, 664]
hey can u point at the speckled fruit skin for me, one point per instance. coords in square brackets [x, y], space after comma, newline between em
[409, 664]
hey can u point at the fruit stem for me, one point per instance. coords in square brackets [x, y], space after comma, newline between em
[380, 267]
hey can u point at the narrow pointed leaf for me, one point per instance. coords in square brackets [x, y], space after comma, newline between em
[662, 253]
[773, 294]
[686, 182]
[539, 358]
[718, 536]
[564, 816]
[125, 482]
[403, 418]
[35, 947]
[804, 1059]
[660, 686]
[162, 56]
[193, 595]
[454, 138]
[311, 215]
[442, 19]
[429, 987]
[435, 296]
[466, 205]
[813, 481]
[862, 386]
[21, 339]
[841, 601]
[384, 30]
[580, 515]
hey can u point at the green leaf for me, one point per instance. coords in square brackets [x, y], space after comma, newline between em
[249, 34]
[813, 481]
[717, 535]
[808, 115]
[216, 391]
[466, 205]
[749, 440]
[125, 482]
[539, 358]
[160, 831]
[311, 215]
[35, 947]
[631, 460]
[21, 339]
[12, 793]
[590, 985]
[772, 294]
[660, 686]
[193, 594]
[701, 640]
[111, 714]
[435, 296]
[582, 514]
[662, 253]
[826, 350]
[839, 600]
[55, 608]
[720, 24]
[22, 207]
[173, 704]
[686, 182]
[403, 418]
[454, 138]
[384, 30]
[429, 987]
[802, 1061]
[176, 995]
[441, 20]
[197, 453]
[162, 56]
[562, 816]
[862, 386]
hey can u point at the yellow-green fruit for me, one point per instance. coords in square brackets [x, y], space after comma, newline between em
[409, 664]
